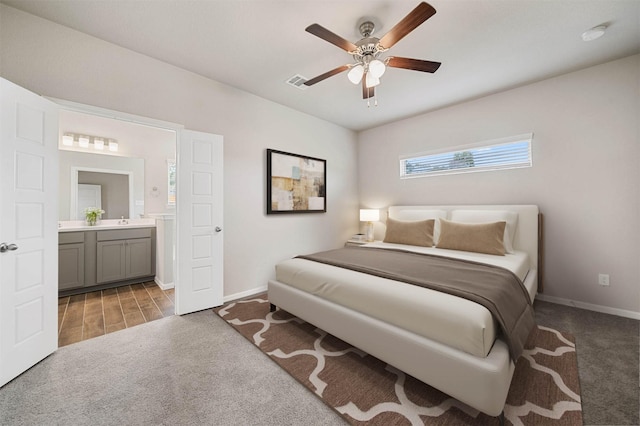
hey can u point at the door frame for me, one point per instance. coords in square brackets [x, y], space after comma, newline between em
[134, 119]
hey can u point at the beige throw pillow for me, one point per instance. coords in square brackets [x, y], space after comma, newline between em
[415, 233]
[477, 237]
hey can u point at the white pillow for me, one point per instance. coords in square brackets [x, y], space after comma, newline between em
[484, 216]
[413, 215]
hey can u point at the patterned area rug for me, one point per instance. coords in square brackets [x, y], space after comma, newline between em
[364, 390]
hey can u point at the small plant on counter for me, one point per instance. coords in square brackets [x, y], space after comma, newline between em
[92, 215]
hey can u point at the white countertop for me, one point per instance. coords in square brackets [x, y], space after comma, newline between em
[105, 224]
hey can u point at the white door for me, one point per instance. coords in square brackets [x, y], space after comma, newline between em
[199, 258]
[28, 229]
[88, 196]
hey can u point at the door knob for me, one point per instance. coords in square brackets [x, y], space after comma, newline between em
[218, 229]
[6, 247]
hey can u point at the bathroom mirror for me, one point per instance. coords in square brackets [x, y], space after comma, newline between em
[121, 180]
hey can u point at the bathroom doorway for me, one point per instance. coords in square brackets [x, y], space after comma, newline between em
[143, 155]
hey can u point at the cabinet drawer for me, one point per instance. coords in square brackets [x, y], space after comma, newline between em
[124, 234]
[70, 237]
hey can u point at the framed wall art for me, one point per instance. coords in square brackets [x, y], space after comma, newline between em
[295, 183]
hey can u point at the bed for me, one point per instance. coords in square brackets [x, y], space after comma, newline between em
[451, 343]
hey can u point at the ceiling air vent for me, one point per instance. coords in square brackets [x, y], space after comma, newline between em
[298, 82]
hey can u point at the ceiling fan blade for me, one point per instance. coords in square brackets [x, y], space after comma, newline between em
[326, 75]
[332, 38]
[410, 22]
[412, 64]
[367, 92]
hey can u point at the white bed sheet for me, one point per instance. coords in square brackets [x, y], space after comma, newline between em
[448, 319]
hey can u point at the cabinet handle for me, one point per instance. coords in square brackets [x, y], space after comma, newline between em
[218, 229]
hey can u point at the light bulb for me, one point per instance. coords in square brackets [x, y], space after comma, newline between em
[377, 68]
[372, 81]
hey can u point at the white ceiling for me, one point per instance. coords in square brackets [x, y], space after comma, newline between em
[485, 46]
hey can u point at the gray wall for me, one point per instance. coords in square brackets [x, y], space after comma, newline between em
[56, 61]
[585, 176]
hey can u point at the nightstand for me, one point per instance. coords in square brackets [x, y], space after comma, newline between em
[356, 243]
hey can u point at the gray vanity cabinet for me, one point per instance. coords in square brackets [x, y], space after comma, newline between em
[95, 260]
[70, 260]
[123, 254]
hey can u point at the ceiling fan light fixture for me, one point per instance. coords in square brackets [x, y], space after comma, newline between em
[355, 74]
[367, 69]
[372, 80]
[377, 68]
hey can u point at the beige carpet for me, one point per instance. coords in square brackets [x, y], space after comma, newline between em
[365, 390]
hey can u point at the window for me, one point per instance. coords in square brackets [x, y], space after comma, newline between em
[171, 182]
[507, 153]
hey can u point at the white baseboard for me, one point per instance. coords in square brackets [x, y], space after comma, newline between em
[163, 286]
[589, 306]
[244, 294]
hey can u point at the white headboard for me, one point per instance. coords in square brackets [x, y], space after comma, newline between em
[526, 237]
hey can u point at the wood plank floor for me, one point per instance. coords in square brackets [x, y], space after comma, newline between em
[83, 316]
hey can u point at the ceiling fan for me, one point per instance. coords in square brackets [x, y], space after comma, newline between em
[368, 66]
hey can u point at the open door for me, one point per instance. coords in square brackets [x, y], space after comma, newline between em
[199, 258]
[28, 229]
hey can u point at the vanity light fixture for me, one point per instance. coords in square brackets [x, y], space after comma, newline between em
[84, 141]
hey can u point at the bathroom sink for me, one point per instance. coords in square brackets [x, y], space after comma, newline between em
[81, 225]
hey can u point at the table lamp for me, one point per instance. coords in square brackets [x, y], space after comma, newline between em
[369, 216]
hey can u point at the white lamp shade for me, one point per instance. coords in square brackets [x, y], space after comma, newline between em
[377, 68]
[67, 140]
[98, 143]
[355, 74]
[369, 215]
[83, 141]
[372, 81]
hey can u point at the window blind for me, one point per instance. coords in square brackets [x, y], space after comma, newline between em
[506, 153]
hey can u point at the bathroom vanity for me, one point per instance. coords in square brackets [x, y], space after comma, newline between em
[110, 254]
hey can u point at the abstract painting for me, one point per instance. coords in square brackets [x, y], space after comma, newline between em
[295, 183]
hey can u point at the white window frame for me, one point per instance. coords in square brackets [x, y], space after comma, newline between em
[171, 187]
[442, 156]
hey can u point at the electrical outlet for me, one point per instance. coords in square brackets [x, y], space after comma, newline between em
[603, 279]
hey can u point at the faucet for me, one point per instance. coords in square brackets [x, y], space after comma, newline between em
[123, 221]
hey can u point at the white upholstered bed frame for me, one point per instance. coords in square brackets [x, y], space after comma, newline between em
[482, 383]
